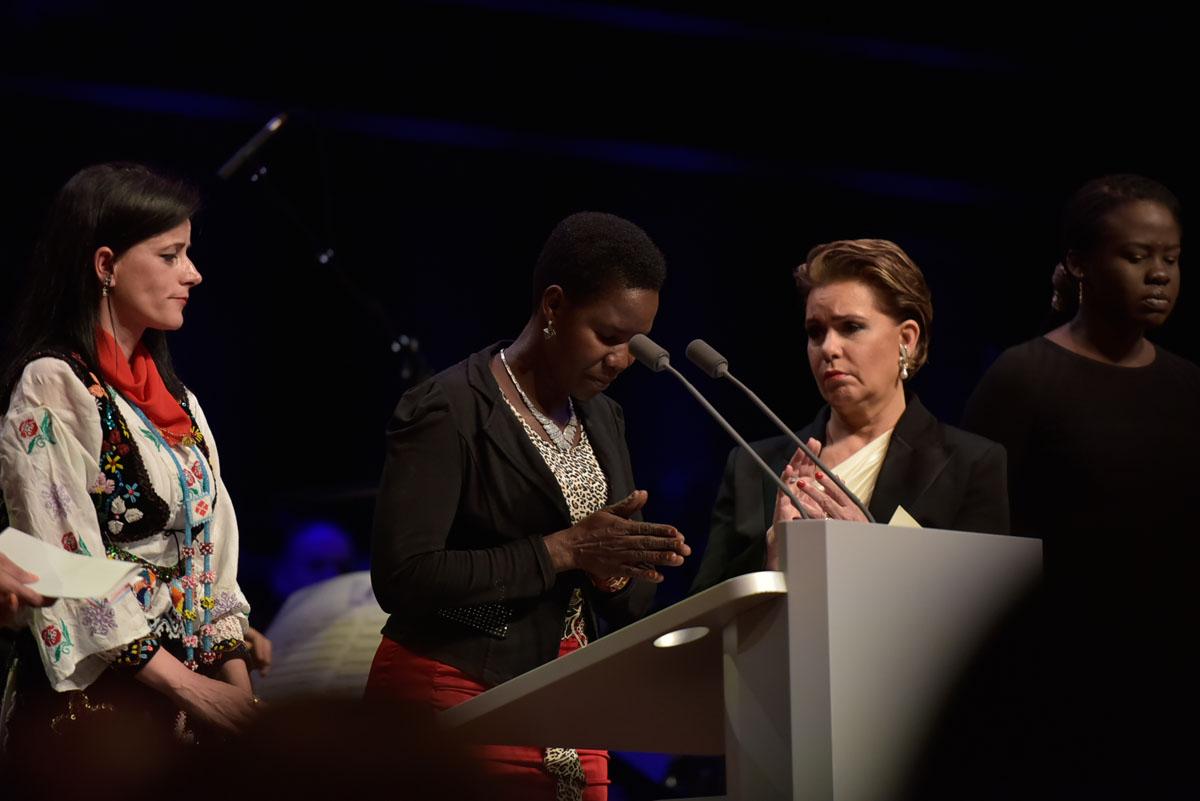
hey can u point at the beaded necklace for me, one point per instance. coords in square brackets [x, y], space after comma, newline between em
[195, 514]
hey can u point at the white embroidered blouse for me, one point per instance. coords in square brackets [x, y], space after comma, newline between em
[50, 467]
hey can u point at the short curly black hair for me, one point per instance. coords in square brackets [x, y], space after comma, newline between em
[590, 252]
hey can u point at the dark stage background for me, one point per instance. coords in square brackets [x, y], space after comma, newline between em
[431, 147]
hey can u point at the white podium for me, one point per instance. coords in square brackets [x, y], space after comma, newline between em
[816, 682]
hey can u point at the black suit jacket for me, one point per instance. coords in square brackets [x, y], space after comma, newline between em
[943, 476]
[464, 503]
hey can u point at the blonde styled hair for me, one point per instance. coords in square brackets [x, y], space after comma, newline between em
[898, 282]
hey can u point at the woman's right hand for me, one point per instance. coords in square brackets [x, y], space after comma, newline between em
[260, 651]
[800, 468]
[215, 702]
[218, 703]
[608, 543]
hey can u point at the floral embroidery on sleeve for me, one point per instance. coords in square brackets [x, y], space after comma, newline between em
[36, 436]
[75, 545]
[225, 603]
[57, 638]
[99, 618]
[58, 500]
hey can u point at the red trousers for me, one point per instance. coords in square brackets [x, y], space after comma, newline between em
[517, 772]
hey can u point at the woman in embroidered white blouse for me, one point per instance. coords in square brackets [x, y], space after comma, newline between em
[103, 452]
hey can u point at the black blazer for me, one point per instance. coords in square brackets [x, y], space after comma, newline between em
[464, 503]
[943, 476]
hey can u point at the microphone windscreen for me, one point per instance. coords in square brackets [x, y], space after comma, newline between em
[648, 352]
[701, 354]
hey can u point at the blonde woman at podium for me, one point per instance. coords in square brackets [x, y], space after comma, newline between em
[867, 318]
[507, 518]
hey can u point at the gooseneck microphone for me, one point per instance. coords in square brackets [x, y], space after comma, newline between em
[653, 356]
[704, 356]
[246, 151]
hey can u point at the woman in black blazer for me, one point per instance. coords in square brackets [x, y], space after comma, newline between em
[508, 517]
[867, 316]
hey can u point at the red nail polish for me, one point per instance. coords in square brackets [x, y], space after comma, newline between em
[800, 484]
[820, 475]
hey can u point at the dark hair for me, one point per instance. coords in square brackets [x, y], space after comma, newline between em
[1083, 223]
[590, 252]
[113, 205]
[883, 265]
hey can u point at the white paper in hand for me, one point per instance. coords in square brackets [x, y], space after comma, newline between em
[62, 574]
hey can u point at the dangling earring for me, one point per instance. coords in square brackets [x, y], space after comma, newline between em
[106, 287]
[548, 332]
[1081, 293]
[904, 362]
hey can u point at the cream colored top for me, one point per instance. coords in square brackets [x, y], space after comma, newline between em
[860, 472]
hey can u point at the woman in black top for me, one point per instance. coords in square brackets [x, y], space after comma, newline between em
[1093, 410]
[1100, 428]
[508, 515]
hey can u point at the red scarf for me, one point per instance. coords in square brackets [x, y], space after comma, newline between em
[138, 380]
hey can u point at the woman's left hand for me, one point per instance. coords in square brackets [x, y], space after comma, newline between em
[828, 498]
[237, 673]
[260, 651]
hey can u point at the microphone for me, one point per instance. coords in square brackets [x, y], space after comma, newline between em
[649, 353]
[655, 357]
[704, 356]
[246, 151]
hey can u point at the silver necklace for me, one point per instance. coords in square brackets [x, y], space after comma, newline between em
[563, 437]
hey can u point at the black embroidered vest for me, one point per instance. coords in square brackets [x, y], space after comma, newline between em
[127, 507]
